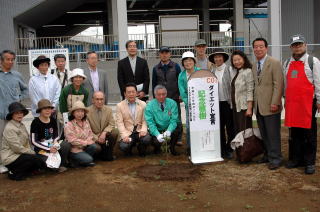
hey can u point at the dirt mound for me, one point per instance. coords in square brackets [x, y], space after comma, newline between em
[178, 172]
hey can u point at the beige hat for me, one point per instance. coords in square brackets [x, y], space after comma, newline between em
[78, 105]
[77, 72]
[42, 104]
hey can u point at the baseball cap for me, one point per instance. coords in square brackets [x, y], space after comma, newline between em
[200, 42]
[297, 39]
[164, 49]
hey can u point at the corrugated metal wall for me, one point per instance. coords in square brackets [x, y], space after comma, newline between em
[297, 17]
[8, 10]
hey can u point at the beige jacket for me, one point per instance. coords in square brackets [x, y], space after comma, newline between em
[126, 123]
[106, 124]
[244, 86]
[15, 141]
[269, 86]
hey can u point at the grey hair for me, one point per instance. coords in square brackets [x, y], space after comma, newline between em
[159, 87]
[7, 52]
[130, 41]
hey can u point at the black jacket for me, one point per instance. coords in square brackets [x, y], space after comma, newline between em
[125, 74]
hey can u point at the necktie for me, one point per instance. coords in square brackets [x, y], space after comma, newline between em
[162, 107]
[259, 68]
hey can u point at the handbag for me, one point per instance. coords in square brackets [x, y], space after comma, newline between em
[252, 147]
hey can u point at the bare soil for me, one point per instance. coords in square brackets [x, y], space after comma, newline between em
[166, 183]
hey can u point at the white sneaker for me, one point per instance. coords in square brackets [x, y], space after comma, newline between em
[3, 169]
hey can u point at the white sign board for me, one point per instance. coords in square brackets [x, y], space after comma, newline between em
[179, 30]
[204, 120]
[50, 53]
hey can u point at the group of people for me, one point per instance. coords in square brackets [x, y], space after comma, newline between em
[72, 119]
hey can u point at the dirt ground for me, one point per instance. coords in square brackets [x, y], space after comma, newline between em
[145, 184]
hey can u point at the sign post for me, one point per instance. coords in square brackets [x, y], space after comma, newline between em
[204, 117]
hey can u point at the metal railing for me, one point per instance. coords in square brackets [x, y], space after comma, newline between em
[108, 46]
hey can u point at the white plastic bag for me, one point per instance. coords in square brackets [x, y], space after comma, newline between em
[53, 160]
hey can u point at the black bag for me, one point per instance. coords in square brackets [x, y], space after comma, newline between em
[252, 147]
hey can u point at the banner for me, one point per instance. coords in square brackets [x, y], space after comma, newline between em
[204, 119]
[50, 53]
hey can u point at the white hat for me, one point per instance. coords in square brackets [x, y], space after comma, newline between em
[187, 55]
[77, 72]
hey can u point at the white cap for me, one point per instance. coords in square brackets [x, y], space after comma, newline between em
[77, 72]
[187, 55]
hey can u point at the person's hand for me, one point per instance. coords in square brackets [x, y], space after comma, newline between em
[274, 108]
[102, 138]
[180, 99]
[160, 138]
[141, 94]
[142, 133]
[167, 134]
[53, 150]
[249, 112]
[126, 139]
[318, 108]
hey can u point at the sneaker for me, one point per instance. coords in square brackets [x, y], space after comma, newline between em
[62, 169]
[3, 169]
[310, 169]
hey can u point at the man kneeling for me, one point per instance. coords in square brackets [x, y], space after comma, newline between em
[161, 115]
[131, 123]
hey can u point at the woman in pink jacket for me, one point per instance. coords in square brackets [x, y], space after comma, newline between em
[79, 134]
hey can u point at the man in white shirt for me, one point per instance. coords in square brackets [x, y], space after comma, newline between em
[61, 72]
[302, 100]
[202, 61]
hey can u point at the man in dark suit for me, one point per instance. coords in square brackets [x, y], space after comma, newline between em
[134, 69]
[96, 78]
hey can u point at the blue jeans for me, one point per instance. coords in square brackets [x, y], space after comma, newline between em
[86, 157]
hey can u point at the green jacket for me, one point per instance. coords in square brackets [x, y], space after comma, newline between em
[69, 90]
[158, 120]
[183, 86]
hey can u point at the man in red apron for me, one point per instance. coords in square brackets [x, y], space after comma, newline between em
[302, 100]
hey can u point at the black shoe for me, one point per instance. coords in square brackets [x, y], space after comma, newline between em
[228, 155]
[310, 169]
[188, 152]
[263, 160]
[157, 151]
[12, 176]
[174, 152]
[272, 166]
[91, 164]
[292, 164]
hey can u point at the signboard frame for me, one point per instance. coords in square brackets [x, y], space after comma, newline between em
[50, 53]
[204, 123]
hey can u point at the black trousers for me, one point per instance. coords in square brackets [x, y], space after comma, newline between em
[240, 120]
[226, 127]
[303, 142]
[179, 124]
[24, 165]
[105, 151]
[270, 127]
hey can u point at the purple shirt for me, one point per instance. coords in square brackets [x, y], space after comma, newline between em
[95, 79]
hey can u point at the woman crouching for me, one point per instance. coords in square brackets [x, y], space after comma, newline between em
[79, 134]
[16, 153]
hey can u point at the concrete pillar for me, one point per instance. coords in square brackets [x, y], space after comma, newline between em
[205, 15]
[120, 24]
[316, 19]
[274, 38]
[238, 23]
